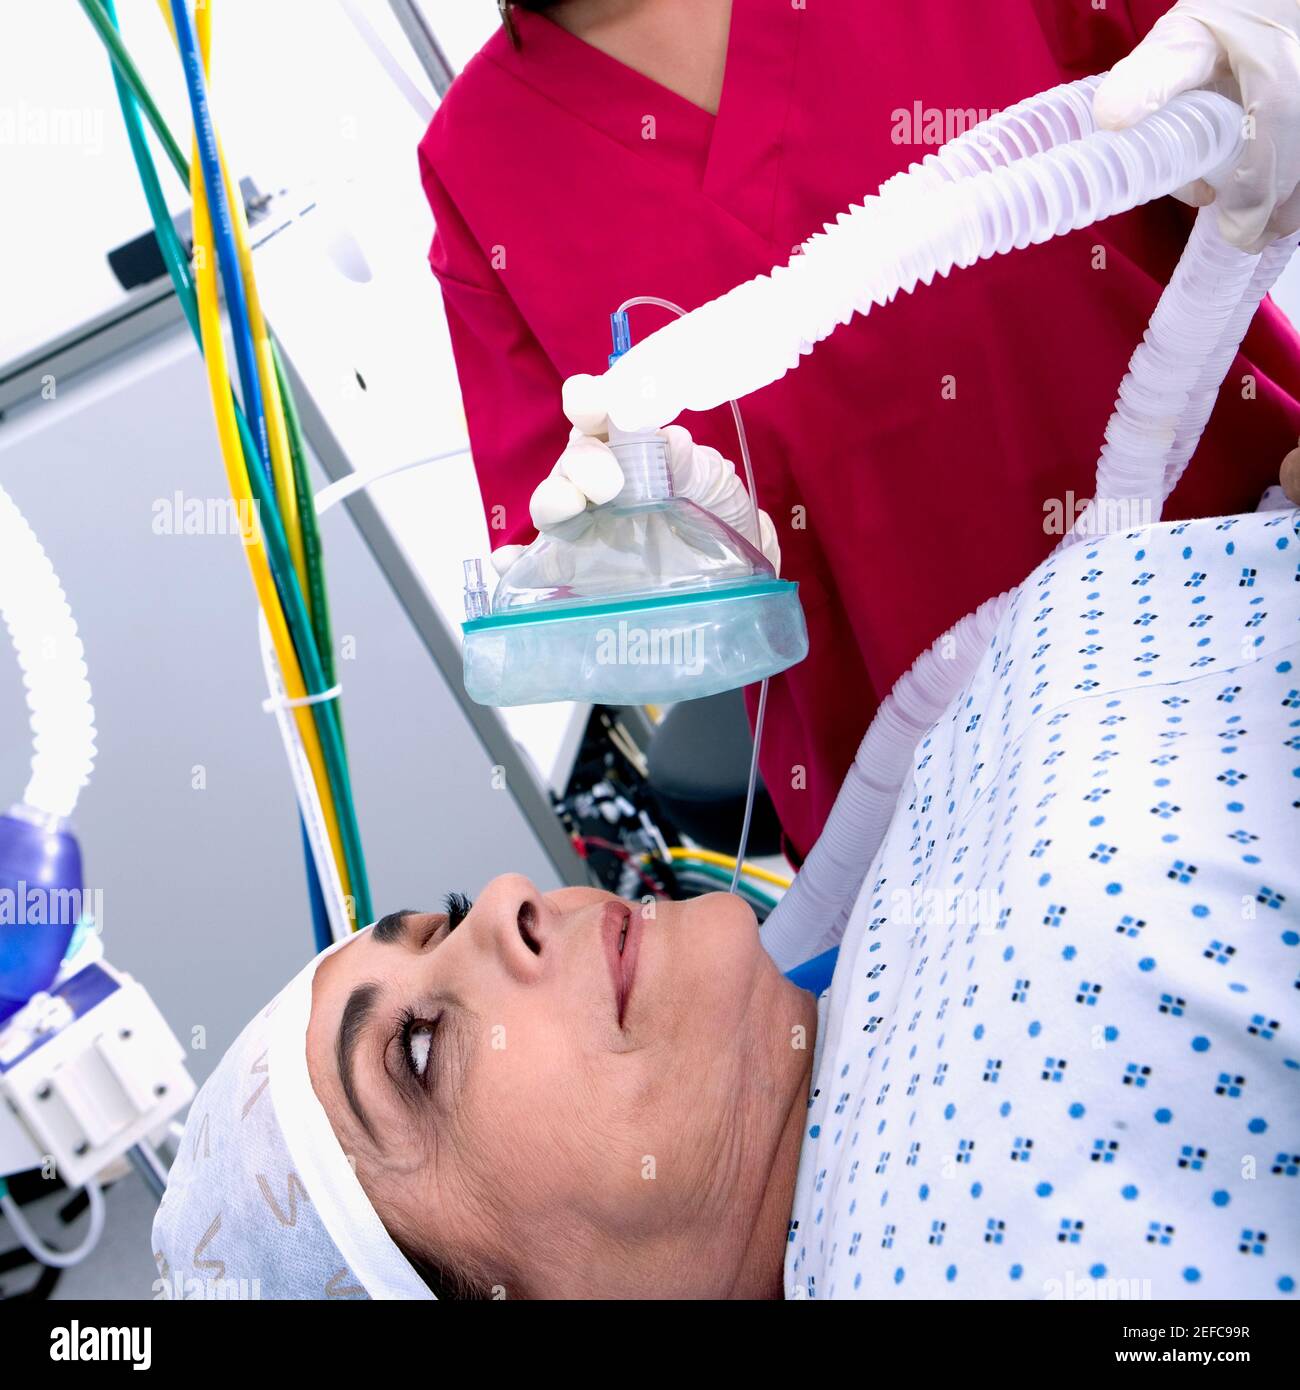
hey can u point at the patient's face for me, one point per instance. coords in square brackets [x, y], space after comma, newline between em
[565, 1094]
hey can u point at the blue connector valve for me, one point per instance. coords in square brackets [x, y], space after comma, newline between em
[621, 332]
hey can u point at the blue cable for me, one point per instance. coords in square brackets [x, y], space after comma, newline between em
[223, 232]
[319, 918]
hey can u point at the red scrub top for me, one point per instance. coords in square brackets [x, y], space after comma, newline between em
[911, 461]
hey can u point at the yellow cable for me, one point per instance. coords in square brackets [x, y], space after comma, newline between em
[728, 861]
[214, 354]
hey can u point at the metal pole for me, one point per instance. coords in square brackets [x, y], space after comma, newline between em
[144, 1158]
[427, 48]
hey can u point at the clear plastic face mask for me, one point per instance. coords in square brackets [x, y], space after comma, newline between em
[645, 600]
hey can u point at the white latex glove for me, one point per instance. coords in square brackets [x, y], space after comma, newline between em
[587, 474]
[1248, 50]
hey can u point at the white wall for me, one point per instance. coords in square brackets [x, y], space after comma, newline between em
[298, 98]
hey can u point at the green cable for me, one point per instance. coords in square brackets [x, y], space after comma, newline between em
[698, 887]
[325, 716]
[308, 526]
[693, 867]
[123, 63]
[173, 253]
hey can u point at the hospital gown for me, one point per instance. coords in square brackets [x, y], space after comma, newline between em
[1060, 1055]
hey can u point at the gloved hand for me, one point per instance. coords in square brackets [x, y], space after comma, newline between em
[587, 473]
[1248, 50]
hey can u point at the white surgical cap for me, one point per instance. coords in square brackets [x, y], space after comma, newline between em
[261, 1201]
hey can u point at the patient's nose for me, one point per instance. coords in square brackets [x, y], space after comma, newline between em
[516, 922]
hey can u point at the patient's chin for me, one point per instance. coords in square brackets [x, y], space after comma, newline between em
[719, 935]
[726, 920]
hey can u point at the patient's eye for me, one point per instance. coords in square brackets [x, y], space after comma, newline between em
[416, 1038]
[419, 1043]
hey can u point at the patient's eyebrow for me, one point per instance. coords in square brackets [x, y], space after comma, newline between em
[393, 929]
[408, 928]
[356, 1014]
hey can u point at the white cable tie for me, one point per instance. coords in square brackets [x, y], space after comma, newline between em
[275, 702]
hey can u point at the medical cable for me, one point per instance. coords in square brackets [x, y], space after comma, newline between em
[313, 556]
[329, 763]
[267, 512]
[329, 749]
[170, 248]
[314, 828]
[727, 861]
[239, 476]
[326, 909]
[178, 264]
[36, 1247]
[708, 878]
[124, 65]
[209, 163]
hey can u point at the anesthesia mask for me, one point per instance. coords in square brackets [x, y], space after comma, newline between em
[646, 599]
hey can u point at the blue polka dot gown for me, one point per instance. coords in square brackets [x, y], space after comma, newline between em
[1060, 1056]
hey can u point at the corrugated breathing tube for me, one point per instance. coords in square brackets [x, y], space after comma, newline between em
[36, 612]
[1035, 171]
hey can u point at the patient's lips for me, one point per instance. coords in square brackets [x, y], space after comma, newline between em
[620, 929]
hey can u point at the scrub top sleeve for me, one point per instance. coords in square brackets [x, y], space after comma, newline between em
[510, 390]
[1086, 40]
[1144, 13]
[511, 394]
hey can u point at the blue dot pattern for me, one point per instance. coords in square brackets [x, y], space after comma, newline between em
[1060, 1055]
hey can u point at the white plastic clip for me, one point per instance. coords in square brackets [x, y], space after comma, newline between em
[275, 702]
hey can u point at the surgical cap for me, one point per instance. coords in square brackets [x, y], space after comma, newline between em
[261, 1201]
